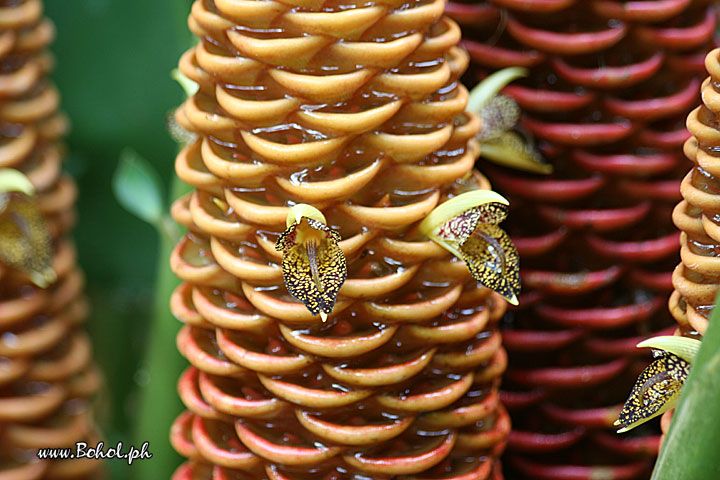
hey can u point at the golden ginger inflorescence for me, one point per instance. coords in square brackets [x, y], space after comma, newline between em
[47, 380]
[697, 278]
[355, 110]
[604, 101]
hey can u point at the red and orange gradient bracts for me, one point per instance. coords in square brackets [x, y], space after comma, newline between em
[47, 379]
[609, 86]
[356, 109]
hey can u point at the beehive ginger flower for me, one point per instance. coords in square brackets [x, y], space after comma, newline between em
[658, 387]
[466, 226]
[313, 264]
[25, 242]
[500, 114]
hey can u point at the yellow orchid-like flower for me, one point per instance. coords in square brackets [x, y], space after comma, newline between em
[25, 242]
[313, 264]
[658, 387]
[499, 114]
[466, 226]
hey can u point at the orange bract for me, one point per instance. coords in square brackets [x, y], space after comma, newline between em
[47, 379]
[355, 109]
[697, 278]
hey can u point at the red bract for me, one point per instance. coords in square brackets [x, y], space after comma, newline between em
[605, 99]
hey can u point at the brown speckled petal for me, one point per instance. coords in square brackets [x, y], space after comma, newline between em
[656, 391]
[493, 260]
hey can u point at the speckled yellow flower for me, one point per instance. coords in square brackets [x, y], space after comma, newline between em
[314, 266]
[500, 114]
[658, 387]
[466, 226]
[25, 242]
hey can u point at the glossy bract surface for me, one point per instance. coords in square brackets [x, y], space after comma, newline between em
[356, 110]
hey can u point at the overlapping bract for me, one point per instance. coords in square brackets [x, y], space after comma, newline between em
[357, 111]
[697, 278]
[47, 379]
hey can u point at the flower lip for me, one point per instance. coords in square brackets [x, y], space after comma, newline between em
[511, 150]
[500, 114]
[314, 266]
[656, 391]
[25, 242]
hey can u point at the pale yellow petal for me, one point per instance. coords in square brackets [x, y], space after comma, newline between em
[25, 242]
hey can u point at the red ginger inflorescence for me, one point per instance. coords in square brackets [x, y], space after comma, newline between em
[608, 89]
[47, 380]
[357, 110]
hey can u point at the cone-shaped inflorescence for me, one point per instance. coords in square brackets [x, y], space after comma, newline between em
[697, 278]
[354, 109]
[609, 85]
[46, 376]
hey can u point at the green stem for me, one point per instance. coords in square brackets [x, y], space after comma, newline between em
[691, 446]
[159, 403]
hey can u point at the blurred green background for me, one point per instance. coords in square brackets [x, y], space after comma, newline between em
[113, 63]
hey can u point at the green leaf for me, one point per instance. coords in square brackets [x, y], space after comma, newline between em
[138, 188]
[691, 445]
